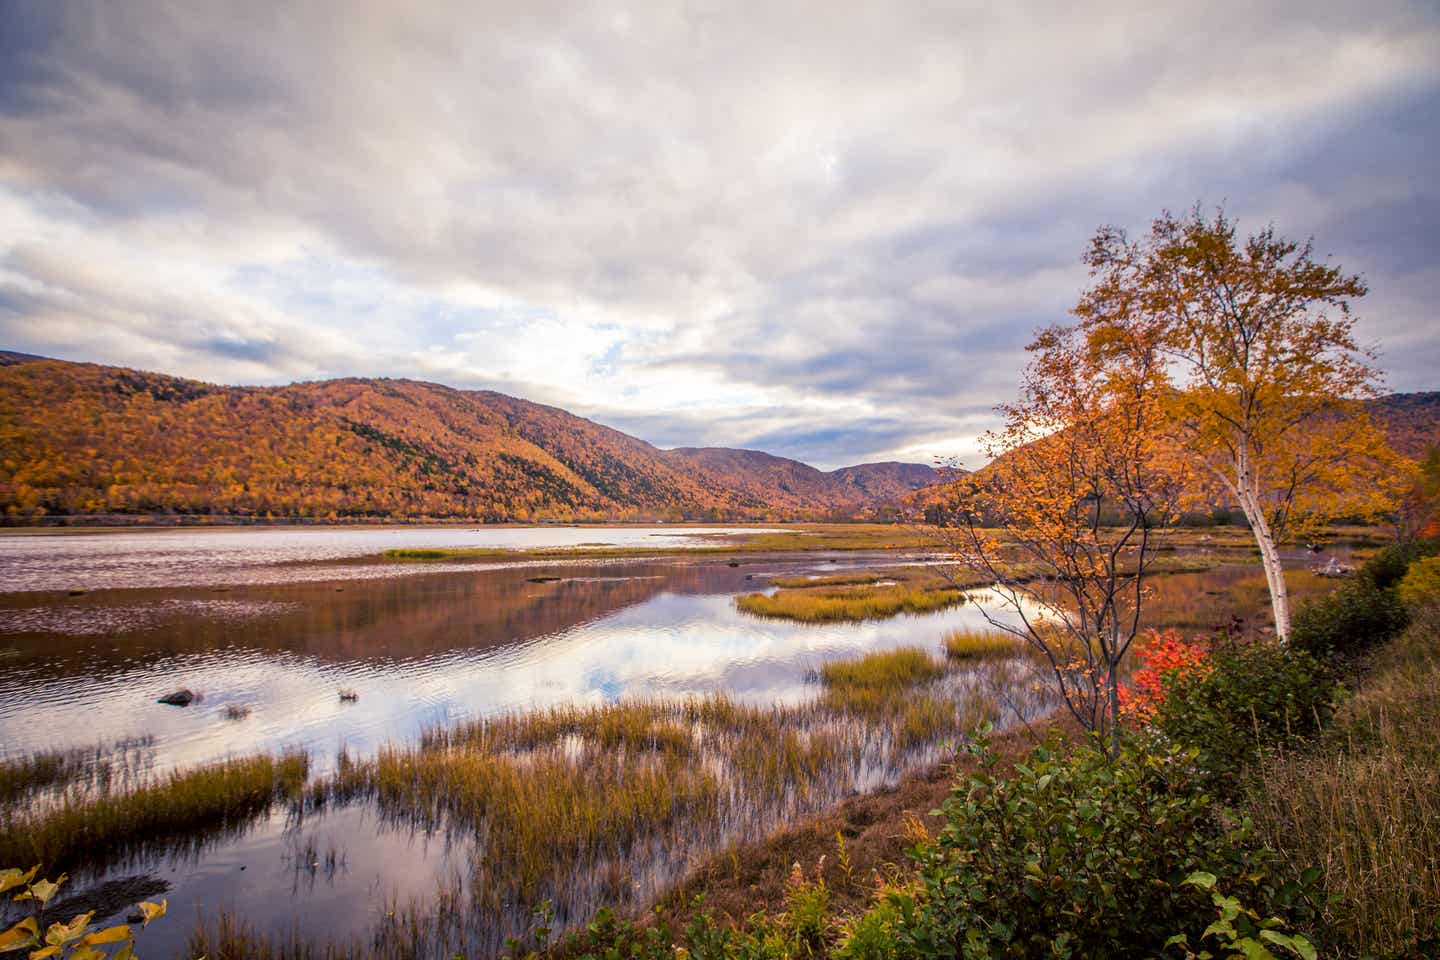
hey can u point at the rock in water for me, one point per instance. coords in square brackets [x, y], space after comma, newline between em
[180, 698]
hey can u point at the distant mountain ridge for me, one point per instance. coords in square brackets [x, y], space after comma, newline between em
[79, 438]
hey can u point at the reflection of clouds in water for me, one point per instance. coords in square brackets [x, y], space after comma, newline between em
[671, 644]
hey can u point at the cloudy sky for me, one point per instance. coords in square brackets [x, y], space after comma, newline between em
[821, 229]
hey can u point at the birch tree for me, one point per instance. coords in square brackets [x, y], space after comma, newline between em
[1266, 379]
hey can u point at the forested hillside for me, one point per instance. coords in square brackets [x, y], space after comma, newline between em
[88, 439]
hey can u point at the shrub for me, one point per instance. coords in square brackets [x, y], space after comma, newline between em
[1072, 856]
[1352, 618]
[1421, 584]
[1256, 696]
[1165, 658]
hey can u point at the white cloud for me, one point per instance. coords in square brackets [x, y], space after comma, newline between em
[773, 223]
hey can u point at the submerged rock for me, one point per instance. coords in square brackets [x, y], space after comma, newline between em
[180, 698]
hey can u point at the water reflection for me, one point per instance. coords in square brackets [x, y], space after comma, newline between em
[166, 558]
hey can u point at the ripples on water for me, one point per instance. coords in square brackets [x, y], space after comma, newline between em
[169, 558]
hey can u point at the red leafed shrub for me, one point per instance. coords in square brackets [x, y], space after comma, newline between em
[1165, 657]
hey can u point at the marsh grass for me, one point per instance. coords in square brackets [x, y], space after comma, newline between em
[980, 645]
[1365, 806]
[832, 580]
[85, 829]
[797, 538]
[608, 804]
[98, 768]
[862, 602]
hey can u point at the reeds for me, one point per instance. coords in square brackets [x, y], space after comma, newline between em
[975, 645]
[829, 604]
[587, 805]
[1365, 806]
[97, 767]
[88, 829]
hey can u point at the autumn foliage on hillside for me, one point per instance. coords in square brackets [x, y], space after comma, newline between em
[87, 439]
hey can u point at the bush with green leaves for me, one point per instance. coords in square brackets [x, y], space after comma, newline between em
[1352, 618]
[1073, 855]
[1363, 611]
[1256, 697]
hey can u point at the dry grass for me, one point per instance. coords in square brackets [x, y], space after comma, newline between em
[596, 805]
[980, 645]
[89, 829]
[873, 602]
[1366, 807]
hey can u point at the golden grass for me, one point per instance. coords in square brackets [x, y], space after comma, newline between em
[554, 796]
[831, 580]
[980, 645]
[1365, 807]
[829, 604]
[170, 810]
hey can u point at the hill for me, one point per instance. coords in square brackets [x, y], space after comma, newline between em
[87, 439]
[1412, 420]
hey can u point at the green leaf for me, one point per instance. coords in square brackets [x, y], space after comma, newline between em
[1201, 879]
[24, 934]
[1254, 950]
[1296, 944]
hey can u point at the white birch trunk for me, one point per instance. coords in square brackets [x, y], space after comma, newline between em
[1269, 556]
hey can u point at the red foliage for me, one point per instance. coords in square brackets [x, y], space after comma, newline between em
[1166, 657]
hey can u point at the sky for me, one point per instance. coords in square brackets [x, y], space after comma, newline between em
[824, 230]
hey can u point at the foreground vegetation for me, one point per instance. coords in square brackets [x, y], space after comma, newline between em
[1310, 831]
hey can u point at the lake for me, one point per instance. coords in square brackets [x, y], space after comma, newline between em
[267, 626]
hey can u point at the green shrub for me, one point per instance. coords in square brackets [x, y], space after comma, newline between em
[1073, 856]
[1421, 584]
[1353, 617]
[1257, 696]
[1387, 566]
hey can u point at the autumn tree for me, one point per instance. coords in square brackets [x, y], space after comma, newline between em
[1265, 377]
[1064, 521]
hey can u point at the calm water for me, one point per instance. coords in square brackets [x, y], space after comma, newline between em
[240, 555]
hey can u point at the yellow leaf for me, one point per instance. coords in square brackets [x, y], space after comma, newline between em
[109, 935]
[43, 890]
[61, 933]
[44, 952]
[12, 878]
[23, 934]
[152, 910]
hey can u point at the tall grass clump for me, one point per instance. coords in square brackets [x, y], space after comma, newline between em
[854, 603]
[1366, 806]
[878, 681]
[980, 645]
[90, 829]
